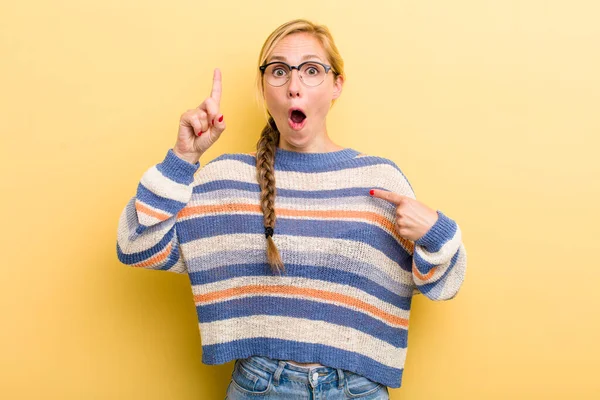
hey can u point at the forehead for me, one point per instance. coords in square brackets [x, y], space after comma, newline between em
[298, 47]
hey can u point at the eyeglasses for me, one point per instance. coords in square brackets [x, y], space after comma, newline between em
[312, 73]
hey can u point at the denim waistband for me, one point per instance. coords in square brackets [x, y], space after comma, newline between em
[310, 375]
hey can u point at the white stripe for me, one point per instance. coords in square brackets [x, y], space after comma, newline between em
[148, 219]
[445, 253]
[380, 175]
[157, 210]
[157, 183]
[301, 283]
[132, 242]
[299, 218]
[441, 258]
[456, 276]
[302, 330]
[356, 250]
[318, 261]
[362, 204]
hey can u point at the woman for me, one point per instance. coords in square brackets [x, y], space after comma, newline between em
[321, 307]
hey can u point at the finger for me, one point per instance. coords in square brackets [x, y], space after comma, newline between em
[188, 119]
[215, 94]
[388, 196]
[212, 110]
[219, 124]
[196, 126]
[199, 122]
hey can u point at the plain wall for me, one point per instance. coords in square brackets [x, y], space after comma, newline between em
[490, 108]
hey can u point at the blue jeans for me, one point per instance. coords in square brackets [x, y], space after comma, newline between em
[264, 377]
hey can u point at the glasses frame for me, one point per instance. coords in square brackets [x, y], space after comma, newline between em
[292, 68]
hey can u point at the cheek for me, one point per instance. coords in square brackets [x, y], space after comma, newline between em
[272, 98]
[322, 100]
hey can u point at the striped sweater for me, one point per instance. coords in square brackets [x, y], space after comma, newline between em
[344, 299]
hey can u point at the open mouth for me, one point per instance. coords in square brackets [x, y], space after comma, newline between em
[297, 118]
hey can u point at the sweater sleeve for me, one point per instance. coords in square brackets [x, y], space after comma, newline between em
[440, 260]
[147, 230]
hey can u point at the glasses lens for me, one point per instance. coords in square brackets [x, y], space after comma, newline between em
[312, 74]
[277, 74]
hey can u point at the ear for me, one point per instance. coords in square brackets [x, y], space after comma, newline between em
[337, 87]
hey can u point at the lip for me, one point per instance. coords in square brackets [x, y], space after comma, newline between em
[296, 126]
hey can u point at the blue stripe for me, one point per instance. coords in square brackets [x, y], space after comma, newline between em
[308, 309]
[169, 206]
[441, 232]
[324, 274]
[226, 184]
[310, 258]
[141, 228]
[171, 260]
[227, 224]
[312, 167]
[428, 288]
[148, 253]
[177, 169]
[359, 162]
[422, 266]
[303, 352]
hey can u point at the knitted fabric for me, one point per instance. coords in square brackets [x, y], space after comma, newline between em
[344, 300]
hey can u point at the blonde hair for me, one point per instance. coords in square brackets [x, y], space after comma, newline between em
[269, 138]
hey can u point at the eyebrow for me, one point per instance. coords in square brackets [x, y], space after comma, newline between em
[306, 57]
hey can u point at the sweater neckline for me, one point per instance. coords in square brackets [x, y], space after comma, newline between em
[289, 157]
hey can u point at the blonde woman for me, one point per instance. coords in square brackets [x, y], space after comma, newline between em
[304, 256]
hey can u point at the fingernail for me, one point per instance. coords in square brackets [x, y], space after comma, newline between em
[221, 119]
[213, 121]
[199, 133]
[372, 192]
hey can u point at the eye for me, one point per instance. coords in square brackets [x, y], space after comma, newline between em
[312, 69]
[279, 72]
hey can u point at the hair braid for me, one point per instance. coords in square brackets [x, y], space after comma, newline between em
[265, 174]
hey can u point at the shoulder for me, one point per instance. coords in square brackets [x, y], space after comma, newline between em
[386, 163]
[370, 159]
[228, 166]
[391, 175]
[226, 158]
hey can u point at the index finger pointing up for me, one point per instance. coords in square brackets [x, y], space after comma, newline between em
[216, 86]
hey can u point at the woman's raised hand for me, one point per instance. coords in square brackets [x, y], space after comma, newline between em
[200, 127]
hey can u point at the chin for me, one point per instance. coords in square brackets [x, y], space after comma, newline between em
[296, 142]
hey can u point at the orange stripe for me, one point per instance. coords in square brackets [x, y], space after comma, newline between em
[421, 276]
[158, 258]
[225, 208]
[304, 292]
[365, 215]
[140, 207]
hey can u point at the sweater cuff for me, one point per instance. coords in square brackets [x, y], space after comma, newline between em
[442, 231]
[177, 169]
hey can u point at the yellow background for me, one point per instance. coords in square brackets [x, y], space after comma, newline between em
[491, 109]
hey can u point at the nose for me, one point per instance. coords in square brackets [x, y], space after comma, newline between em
[294, 84]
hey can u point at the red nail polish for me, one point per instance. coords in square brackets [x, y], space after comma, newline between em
[221, 119]
[200, 133]
[213, 121]
[372, 192]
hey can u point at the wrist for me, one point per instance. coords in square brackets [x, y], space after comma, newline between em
[192, 158]
[177, 169]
